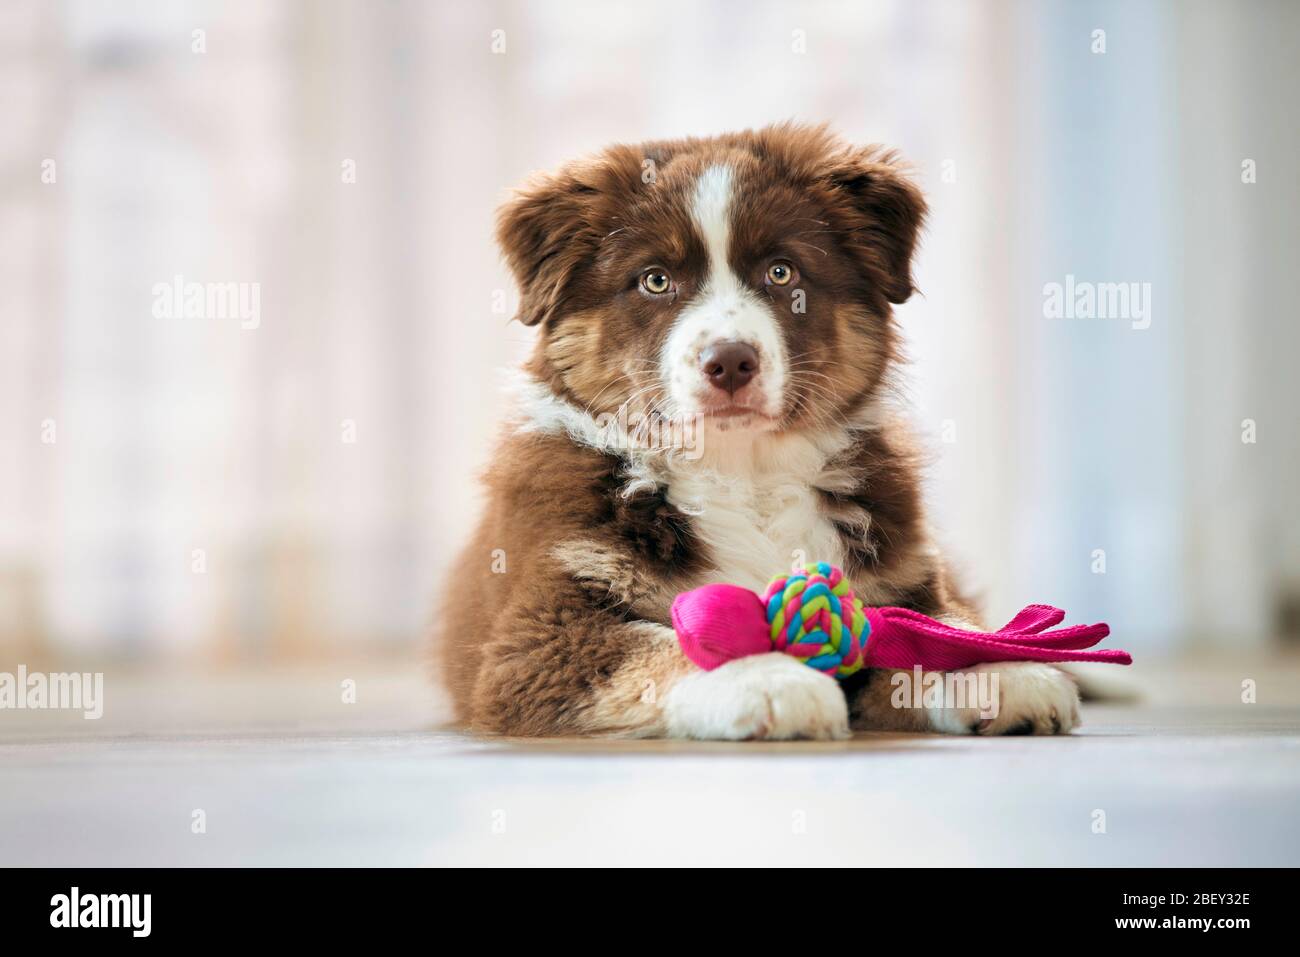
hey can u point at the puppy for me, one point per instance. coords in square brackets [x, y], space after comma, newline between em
[706, 402]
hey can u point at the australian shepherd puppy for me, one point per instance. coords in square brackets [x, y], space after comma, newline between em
[706, 402]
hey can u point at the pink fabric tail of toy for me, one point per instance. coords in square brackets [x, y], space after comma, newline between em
[1032, 619]
[903, 639]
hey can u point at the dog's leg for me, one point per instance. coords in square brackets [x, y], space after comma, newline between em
[589, 673]
[768, 697]
[1010, 697]
[1034, 698]
[656, 692]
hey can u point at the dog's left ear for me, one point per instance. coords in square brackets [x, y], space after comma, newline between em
[882, 212]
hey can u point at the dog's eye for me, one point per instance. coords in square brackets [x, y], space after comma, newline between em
[780, 273]
[656, 282]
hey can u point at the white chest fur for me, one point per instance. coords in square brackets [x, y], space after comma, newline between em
[753, 497]
[755, 505]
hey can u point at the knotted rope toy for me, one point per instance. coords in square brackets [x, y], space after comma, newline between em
[814, 616]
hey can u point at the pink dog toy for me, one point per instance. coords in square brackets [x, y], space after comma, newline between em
[813, 615]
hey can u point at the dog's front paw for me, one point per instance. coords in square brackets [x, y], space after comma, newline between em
[765, 697]
[1032, 698]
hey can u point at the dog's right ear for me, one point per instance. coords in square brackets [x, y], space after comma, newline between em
[546, 233]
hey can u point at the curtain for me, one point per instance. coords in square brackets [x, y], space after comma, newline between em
[206, 487]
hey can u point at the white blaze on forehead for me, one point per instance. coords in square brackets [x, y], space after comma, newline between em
[724, 308]
[711, 212]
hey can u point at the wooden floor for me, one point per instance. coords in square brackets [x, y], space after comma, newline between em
[287, 774]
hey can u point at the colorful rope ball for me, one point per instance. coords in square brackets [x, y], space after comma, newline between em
[813, 615]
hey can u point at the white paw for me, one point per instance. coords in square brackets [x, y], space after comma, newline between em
[769, 697]
[1033, 698]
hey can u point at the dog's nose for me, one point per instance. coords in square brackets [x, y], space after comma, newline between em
[729, 365]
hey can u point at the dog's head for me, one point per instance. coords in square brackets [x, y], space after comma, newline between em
[746, 278]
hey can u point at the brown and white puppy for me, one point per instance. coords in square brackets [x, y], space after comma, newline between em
[736, 292]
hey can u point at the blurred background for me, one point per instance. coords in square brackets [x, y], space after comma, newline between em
[199, 491]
